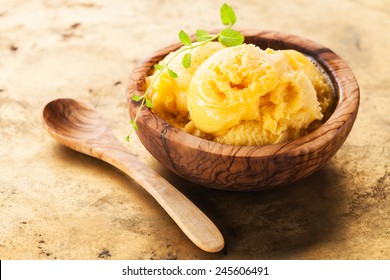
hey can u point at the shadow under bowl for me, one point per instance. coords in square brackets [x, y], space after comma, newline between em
[248, 168]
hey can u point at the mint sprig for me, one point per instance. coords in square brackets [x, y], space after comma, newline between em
[227, 36]
[187, 60]
[230, 37]
[184, 38]
[202, 35]
[228, 16]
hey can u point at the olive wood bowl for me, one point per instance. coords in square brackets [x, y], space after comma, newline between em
[247, 168]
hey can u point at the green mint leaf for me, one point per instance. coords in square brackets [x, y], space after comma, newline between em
[230, 38]
[186, 60]
[148, 103]
[184, 38]
[127, 138]
[136, 98]
[202, 35]
[172, 73]
[134, 125]
[228, 17]
[158, 66]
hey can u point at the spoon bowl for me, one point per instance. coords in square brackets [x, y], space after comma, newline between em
[78, 126]
[70, 119]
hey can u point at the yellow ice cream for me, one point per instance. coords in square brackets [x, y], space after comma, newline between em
[245, 96]
[169, 95]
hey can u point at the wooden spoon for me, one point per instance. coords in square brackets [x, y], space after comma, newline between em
[78, 126]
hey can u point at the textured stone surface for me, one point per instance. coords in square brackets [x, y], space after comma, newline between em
[58, 204]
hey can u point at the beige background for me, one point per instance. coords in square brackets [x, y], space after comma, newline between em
[58, 204]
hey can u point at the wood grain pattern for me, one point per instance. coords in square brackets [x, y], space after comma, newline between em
[79, 127]
[245, 168]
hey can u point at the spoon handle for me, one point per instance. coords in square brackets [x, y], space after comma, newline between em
[193, 222]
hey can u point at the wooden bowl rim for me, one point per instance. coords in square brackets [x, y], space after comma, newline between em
[348, 99]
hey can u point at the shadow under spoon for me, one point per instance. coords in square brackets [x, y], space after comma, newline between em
[78, 126]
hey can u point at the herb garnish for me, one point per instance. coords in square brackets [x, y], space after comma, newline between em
[227, 36]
